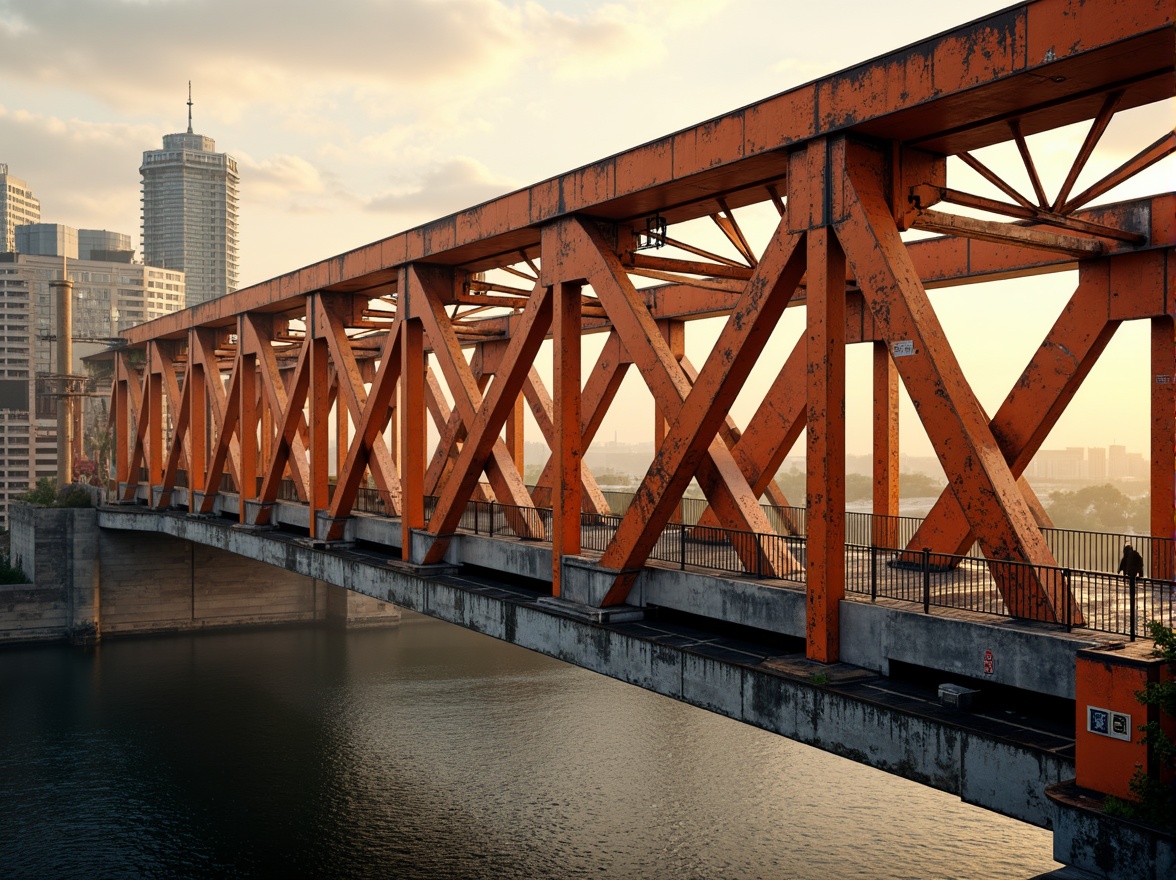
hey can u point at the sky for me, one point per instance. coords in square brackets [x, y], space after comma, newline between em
[353, 120]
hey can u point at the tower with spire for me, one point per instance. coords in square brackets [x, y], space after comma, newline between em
[190, 214]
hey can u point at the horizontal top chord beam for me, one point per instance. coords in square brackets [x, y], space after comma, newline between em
[1043, 64]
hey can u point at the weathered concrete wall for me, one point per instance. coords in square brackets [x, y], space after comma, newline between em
[1036, 659]
[57, 549]
[91, 582]
[162, 582]
[1106, 846]
[980, 768]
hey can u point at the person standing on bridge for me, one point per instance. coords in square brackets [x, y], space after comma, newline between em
[1131, 565]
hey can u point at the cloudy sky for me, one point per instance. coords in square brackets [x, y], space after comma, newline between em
[359, 118]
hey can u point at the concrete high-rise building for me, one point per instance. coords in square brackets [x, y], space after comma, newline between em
[17, 207]
[190, 212]
[108, 296]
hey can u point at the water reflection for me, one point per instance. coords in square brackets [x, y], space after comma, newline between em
[430, 751]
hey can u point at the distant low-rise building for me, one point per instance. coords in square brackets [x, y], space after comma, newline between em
[1096, 464]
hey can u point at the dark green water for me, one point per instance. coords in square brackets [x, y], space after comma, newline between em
[430, 751]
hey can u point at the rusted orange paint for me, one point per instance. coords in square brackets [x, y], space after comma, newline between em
[1072, 26]
[960, 90]
[886, 451]
[1163, 445]
[954, 420]
[1137, 285]
[1109, 679]
[413, 434]
[778, 122]
[717, 142]
[825, 418]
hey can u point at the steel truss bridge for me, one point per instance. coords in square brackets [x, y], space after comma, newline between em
[258, 387]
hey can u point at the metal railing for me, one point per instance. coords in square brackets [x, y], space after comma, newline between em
[877, 562]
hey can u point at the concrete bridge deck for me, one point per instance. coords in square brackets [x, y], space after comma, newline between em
[746, 662]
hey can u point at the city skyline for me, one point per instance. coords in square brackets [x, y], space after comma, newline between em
[336, 153]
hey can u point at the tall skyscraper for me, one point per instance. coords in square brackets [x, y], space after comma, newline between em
[17, 207]
[190, 212]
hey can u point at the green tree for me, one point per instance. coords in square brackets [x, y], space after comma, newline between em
[1155, 792]
[1100, 509]
[919, 486]
[43, 494]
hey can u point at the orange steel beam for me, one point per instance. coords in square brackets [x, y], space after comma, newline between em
[812, 196]
[748, 448]
[329, 322]
[247, 420]
[369, 425]
[604, 381]
[1027, 69]
[566, 429]
[1163, 444]
[886, 457]
[691, 446]
[1036, 401]
[179, 407]
[196, 392]
[451, 430]
[536, 396]
[225, 449]
[1043, 64]
[284, 408]
[952, 416]
[288, 450]
[485, 416]
[413, 431]
[319, 394]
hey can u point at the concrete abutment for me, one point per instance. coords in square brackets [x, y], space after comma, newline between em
[87, 583]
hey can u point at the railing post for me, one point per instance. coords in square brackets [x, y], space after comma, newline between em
[477, 518]
[491, 519]
[759, 552]
[926, 580]
[1069, 594]
[1133, 581]
[681, 546]
[873, 573]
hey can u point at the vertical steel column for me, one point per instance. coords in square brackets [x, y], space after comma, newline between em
[319, 397]
[809, 179]
[413, 456]
[342, 426]
[886, 466]
[674, 333]
[1163, 444]
[567, 499]
[196, 390]
[247, 420]
[154, 418]
[515, 440]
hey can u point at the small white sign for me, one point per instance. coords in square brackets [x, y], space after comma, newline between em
[1163, 380]
[1107, 722]
[903, 348]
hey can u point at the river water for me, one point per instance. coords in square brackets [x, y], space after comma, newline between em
[426, 750]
